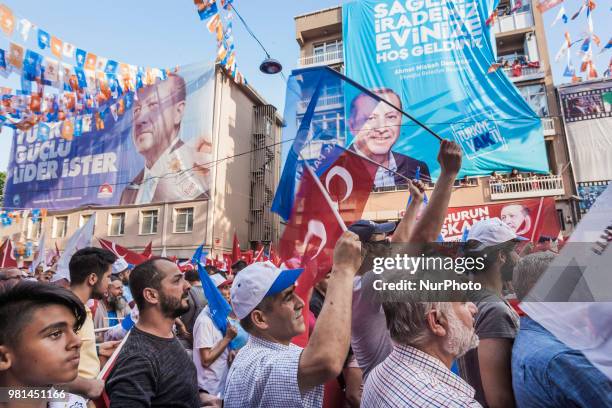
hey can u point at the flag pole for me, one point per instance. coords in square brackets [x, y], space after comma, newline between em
[537, 220]
[363, 156]
[378, 98]
[325, 194]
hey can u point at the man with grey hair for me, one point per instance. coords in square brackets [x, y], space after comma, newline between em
[427, 337]
[545, 371]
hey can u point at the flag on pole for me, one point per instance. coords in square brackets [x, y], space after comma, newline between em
[146, 252]
[80, 239]
[236, 254]
[560, 16]
[128, 255]
[219, 308]
[40, 257]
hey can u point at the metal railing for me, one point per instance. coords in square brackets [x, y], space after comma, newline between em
[525, 73]
[538, 186]
[513, 21]
[324, 102]
[327, 58]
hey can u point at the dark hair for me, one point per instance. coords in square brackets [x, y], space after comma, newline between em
[145, 275]
[239, 265]
[180, 93]
[19, 303]
[378, 92]
[114, 278]
[90, 260]
[192, 276]
[265, 305]
[489, 253]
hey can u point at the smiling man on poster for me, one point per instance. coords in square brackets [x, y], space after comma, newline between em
[173, 171]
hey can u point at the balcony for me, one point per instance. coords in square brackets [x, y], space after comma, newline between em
[513, 21]
[327, 58]
[540, 186]
[327, 102]
[548, 125]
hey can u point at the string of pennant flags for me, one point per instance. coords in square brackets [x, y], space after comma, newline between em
[8, 217]
[219, 21]
[89, 87]
[585, 50]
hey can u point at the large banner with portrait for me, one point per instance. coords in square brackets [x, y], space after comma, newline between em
[153, 146]
[587, 109]
[432, 59]
[533, 219]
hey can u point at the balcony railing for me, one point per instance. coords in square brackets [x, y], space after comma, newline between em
[528, 187]
[525, 73]
[514, 21]
[548, 125]
[328, 58]
[324, 102]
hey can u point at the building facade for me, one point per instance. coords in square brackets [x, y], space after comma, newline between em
[246, 132]
[519, 36]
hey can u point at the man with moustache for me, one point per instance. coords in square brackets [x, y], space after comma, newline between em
[112, 309]
[427, 337]
[153, 369]
[158, 113]
[376, 127]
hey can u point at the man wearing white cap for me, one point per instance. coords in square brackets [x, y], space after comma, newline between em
[487, 368]
[122, 269]
[270, 371]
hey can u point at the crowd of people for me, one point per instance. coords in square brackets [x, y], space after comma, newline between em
[397, 349]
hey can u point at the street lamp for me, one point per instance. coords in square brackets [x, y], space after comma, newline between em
[270, 66]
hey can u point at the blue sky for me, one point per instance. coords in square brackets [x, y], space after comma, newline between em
[164, 34]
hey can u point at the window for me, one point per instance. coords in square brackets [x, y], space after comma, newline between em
[148, 222]
[183, 219]
[34, 229]
[60, 227]
[84, 219]
[561, 219]
[535, 95]
[333, 50]
[117, 224]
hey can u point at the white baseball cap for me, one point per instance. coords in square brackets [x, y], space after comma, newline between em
[257, 281]
[119, 266]
[491, 232]
[220, 280]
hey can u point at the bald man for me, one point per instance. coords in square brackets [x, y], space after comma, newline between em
[158, 113]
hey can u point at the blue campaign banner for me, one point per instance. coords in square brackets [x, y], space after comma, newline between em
[155, 145]
[431, 58]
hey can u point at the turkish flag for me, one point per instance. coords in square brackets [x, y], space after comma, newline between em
[7, 259]
[130, 257]
[147, 250]
[236, 254]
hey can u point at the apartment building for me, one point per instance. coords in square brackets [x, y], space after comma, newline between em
[246, 131]
[519, 36]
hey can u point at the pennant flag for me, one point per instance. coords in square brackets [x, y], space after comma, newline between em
[24, 29]
[596, 40]
[78, 126]
[491, 20]
[586, 44]
[43, 39]
[212, 24]
[570, 71]
[608, 45]
[545, 5]
[67, 129]
[40, 255]
[493, 67]
[518, 4]
[592, 74]
[80, 239]
[43, 132]
[7, 20]
[80, 56]
[90, 61]
[15, 57]
[111, 67]
[129, 256]
[68, 50]
[227, 4]
[208, 9]
[56, 46]
[578, 12]
[218, 306]
[7, 256]
[560, 15]
[591, 5]
[32, 65]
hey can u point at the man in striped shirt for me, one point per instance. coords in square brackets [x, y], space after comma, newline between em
[428, 336]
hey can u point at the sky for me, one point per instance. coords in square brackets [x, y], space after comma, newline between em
[160, 33]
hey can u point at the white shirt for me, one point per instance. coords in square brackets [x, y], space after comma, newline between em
[206, 335]
[151, 176]
[265, 375]
[384, 177]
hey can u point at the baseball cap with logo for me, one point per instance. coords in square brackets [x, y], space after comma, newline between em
[491, 232]
[119, 266]
[366, 228]
[257, 281]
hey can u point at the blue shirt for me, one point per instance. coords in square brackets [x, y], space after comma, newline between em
[112, 318]
[547, 373]
[127, 293]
